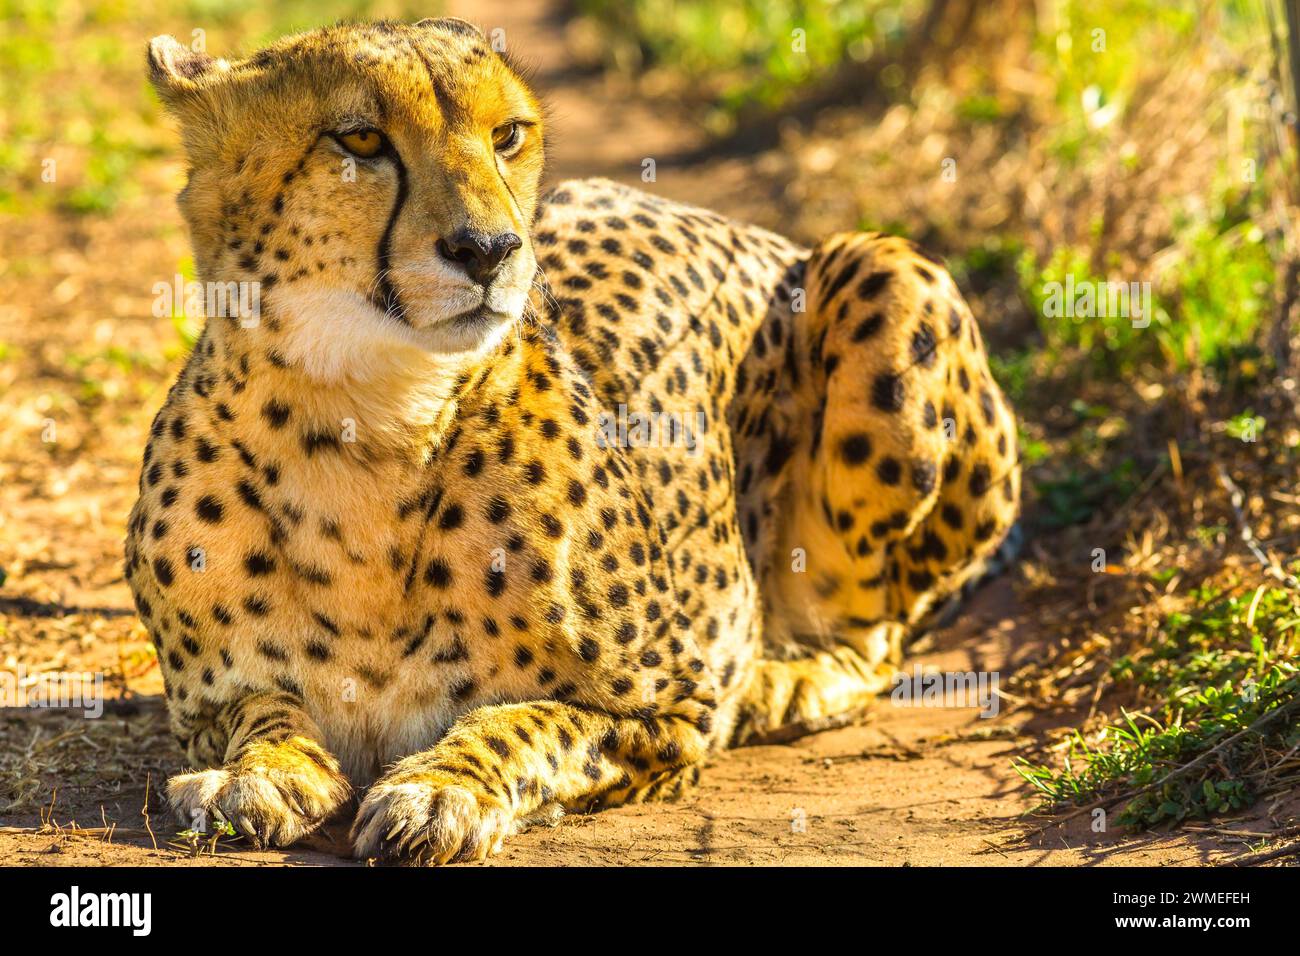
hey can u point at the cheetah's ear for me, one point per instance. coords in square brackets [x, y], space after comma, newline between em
[177, 72]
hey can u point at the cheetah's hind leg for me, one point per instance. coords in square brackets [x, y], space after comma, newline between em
[828, 689]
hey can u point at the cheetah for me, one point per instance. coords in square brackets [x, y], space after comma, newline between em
[501, 504]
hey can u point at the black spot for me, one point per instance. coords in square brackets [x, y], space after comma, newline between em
[923, 475]
[451, 518]
[923, 345]
[250, 495]
[272, 652]
[868, 327]
[313, 442]
[577, 493]
[920, 580]
[438, 573]
[258, 563]
[162, 570]
[498, 510]
[871, 286]
[887, 392]
[778, 453]
[889, 471]
[276, 413]
[855, 449]
[205, 450]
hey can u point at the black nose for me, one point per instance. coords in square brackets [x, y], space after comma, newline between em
[480, 254]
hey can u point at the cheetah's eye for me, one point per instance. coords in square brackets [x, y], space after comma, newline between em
[365, 143]
[507, 138]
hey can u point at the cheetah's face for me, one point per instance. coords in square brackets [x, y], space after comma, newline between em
[378, 180]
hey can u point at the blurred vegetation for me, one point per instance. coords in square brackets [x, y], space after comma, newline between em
[744, 53]
[73, 85]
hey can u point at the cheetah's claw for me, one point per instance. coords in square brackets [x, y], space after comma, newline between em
[269, 808]
[431, 822]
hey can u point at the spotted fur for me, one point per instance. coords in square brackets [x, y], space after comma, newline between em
[392, 537]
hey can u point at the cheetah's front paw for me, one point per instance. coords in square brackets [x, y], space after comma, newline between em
[431, 819]
[271, 808]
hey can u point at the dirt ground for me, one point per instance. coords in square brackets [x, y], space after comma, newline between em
[910, 786]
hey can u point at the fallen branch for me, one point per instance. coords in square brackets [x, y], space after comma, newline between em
[1238, 498]
[1266, 856]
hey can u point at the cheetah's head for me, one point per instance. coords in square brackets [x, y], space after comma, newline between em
[378, 181]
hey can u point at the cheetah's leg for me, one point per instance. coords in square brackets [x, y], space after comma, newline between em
[277, 783]
[902, 479]
[828, 689]
[501, 767]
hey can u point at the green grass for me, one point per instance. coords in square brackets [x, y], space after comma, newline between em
[746, 53]
[1209, 299]
[1211, 289]
[1219, 669]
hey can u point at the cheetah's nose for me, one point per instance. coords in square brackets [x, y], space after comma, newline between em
[480, 254]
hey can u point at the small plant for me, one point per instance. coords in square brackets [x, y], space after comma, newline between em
[1244, 427]
[198, 842]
